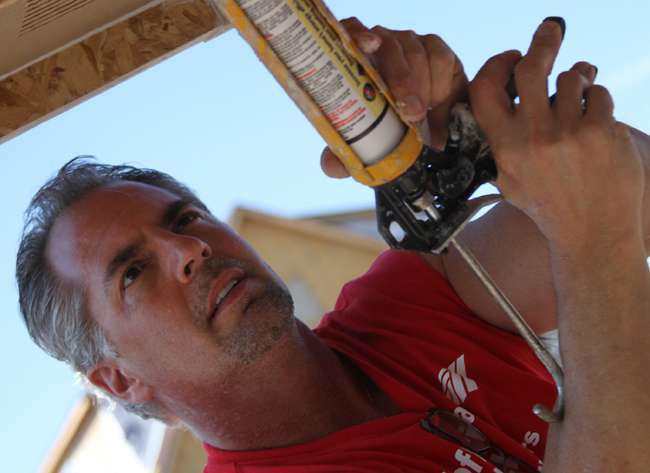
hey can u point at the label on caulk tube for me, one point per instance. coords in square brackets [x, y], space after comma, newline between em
[311, 49]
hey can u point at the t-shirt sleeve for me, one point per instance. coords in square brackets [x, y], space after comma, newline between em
[405, 277]
[405, 326]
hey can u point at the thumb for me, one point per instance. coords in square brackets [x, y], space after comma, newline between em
[332, 166]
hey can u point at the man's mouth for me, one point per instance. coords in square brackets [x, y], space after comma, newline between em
[223, 293]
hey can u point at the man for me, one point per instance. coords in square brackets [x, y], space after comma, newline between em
[185, 321]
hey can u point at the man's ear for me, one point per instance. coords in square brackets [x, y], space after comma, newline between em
[114, 379]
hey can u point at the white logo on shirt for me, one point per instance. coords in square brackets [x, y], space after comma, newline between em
[455, 383]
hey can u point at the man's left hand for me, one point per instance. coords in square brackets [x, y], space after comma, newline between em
[422, 73]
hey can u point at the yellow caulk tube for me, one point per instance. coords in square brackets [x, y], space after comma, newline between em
[334, 85]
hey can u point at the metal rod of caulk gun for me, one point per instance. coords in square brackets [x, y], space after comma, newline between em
[518, 321]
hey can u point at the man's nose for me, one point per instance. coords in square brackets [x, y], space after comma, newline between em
[182, 254]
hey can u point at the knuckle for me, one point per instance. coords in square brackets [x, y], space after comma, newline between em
[441, 60]
[599, 90]
[599, 98]
[351, 23]
[387, 38]
[401, 83]
[381, 31]
[434, 39]
[416, 58]
[408, 34]
[481, 86]
[438, 95]
[622, 130]
[528, 69]
[570, 79]
[508, 163]
[596, 133]
[537, 138]
[439, 48]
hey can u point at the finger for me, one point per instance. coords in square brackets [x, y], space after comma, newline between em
[438, 117]
[442, 65]
[588, 70]
[332, 166]
[417, 61]
[488, 98]
[531, 74]
[365, 39]
[392, 66]
[571, 86]
[598, 103]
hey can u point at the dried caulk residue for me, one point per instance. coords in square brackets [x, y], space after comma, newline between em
[463, 128]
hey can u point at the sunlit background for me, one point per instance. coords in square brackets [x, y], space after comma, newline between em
[214, 118]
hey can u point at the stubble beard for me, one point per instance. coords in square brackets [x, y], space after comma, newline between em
[268, 317]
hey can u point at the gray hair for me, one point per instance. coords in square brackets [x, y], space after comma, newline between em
[55, 310]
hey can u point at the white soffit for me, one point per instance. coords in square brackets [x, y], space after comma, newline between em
[33, 29]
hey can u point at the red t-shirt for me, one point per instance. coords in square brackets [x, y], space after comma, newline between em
[406, 328]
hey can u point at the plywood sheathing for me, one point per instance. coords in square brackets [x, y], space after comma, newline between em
[50, 86]
[81, 415]
[31, 30]
[181, 452]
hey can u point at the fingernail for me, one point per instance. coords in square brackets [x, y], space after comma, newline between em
[411, 107]
[559, 20]
[583, 68]
[596, 69]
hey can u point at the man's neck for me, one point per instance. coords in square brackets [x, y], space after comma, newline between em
[300, 392]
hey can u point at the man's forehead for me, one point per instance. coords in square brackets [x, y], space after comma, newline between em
[127, 188]
[115, 198]
[88, 230]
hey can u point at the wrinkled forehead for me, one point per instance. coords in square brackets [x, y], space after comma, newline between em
[84, 236]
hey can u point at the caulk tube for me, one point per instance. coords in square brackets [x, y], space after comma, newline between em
[312, 51]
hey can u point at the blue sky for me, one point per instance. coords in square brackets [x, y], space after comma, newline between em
[214, 118]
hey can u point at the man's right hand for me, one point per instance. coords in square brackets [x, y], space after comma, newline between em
[579, 175]
[570, 167]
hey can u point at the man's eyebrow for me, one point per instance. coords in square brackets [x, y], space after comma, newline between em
[120, 259]
[172, 212]
[128, 253]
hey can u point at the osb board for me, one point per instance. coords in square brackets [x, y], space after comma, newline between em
[31, 30]
[58, 82]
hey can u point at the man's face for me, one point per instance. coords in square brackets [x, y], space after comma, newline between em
[186, 303]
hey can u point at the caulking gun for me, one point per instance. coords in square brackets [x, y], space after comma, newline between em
[423, 195]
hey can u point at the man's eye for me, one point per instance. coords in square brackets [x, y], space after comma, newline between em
[185, 220]
[130, 275]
